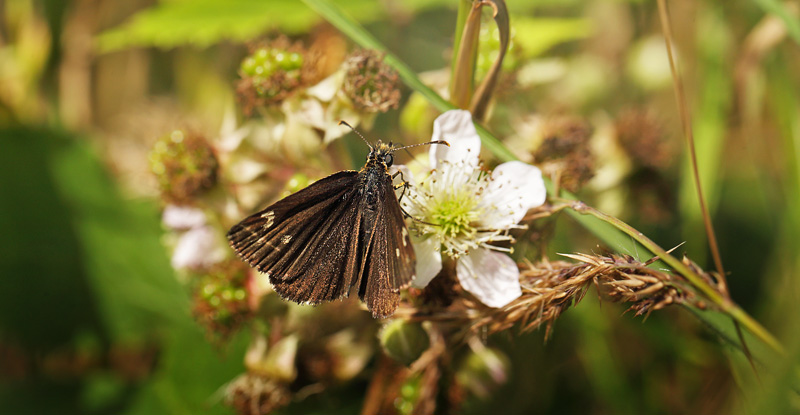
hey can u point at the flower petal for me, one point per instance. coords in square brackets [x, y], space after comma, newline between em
[455, 127]
[243, 169]
[183, 217]
[327, 88]
[491, 276]
[429, 260]
[229, 135]
[199, 248]
[515, 188]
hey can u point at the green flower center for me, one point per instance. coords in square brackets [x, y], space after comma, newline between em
[455, 215]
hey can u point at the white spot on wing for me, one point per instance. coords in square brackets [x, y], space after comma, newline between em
[397, 251]
[285, 239]
[270, 217]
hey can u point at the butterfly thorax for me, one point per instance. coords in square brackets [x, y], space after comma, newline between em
[375, 172]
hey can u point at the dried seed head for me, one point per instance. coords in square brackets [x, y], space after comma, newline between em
[564, 152]
[371, 84]
[642, 135]
[550, 288]
[253, 394]
[185, 165]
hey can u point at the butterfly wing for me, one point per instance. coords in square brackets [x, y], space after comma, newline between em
[389, 257]
[307, 243]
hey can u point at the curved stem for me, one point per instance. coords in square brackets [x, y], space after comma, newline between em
[721, 301]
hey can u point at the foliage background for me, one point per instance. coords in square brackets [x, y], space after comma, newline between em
[92, 319]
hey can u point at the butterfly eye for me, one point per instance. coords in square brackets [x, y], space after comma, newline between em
[388, 160]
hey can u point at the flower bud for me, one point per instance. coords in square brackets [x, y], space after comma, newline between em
[221, 299]
[276, 361]
[404, 341]
[483, 370]
[271, 73]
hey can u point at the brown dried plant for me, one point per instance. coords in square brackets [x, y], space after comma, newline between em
[551, 287]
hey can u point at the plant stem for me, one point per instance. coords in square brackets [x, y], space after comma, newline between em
[686, 121]
[724, 303]
[464, 7]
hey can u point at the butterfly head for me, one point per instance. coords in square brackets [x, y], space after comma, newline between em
[382, 153]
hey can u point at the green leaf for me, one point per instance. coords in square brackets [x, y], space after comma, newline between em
[537, 35]
[205, 22]
[789, 18]
[84, 271]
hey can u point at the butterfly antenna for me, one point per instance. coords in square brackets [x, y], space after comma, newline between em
[343, 122]
[423, 144]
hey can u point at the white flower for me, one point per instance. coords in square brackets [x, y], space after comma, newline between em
[465, 209]
[199, 245]
[323, 106]
[182, 217]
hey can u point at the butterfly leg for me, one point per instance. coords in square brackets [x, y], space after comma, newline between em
[405, 185]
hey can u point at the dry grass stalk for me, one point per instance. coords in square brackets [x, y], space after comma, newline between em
[549, 288]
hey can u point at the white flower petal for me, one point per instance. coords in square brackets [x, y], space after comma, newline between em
[229, 136]
[266, 134]
[299, 140]
[455, 127]
[199, 248]
[429, 260]
[183, 217]
[491, 276]
[307, 111]
[327, 88]
[339, 111]
[515, 188]
[245, 170]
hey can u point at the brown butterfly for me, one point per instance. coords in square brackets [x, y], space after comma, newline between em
[345, 230]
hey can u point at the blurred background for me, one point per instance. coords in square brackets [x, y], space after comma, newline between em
[94, 318]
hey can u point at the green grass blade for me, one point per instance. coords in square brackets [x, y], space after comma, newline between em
[352, 29]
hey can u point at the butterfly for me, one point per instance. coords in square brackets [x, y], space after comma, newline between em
[344, 232]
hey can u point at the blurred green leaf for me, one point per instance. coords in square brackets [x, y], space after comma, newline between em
[84, 270]
[124, 258]
[205, 22]
[788, 17]
[537, 35]
[46, 293]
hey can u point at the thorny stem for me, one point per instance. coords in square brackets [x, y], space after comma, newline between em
[721, 301]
